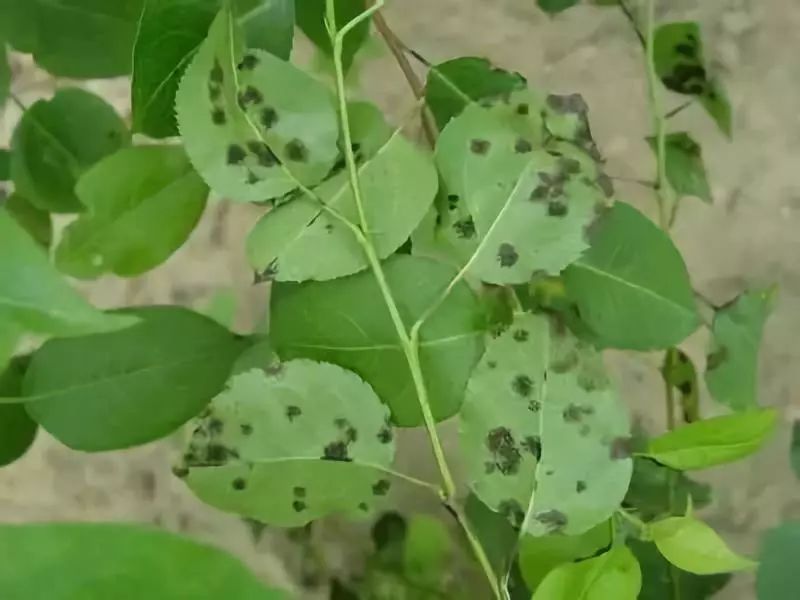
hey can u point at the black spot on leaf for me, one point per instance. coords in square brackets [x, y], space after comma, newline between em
[249, 62]
[570, 104]
[554, 520]
[239, 484]
[585, 430]
[452, 201]
[214, 91]
[292, 412]
[363, 507]
[580, 486]
[336, 451]
[236, 154]
[217, 75]
[298, 506]
[539, 193]
[250, 96]
[478, 146]
[686, 387]
[522, 109]
[385, 435]
[521, 335]
[465, 228]
[605, 183]
[557, 208]
[512, 511]
[299, 491]
[266, 157]
[533, 445]
[621, 448]
[507, 457]
[569, 166]
[381, 487]
[246, 428]
[215, 426]
[534, 406]
[491, 364]
[507, 255]
[522, 385]
[296, 151]
[218, 116]
[522, 146]
[268, 117]
[180, 471]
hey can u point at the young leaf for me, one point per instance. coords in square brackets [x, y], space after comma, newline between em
[615, 574]
[34, 297]
[346, 322]
[300, 443]
[686, 171]
[794, 455]
[56, 141]
[142, 203]
[545, 436]
[556, 6]
[17, 430]
[454, 84]
[94, 561]
[713, 441]
[732, 368]
[538, 556]
[135, 385]
[631, 286]
[778, 575]
[693, 546]
[311, 20]
[35, 221]
[679, 62]
[297, 241]
[253, 125]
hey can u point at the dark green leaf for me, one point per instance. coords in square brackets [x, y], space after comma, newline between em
[5, 164]
[686, 171]
[778, 575]
[346, 322]
[311, 19]
[679, 371]
[732, 367]
[66, 561]
[794, 452]
[679, 62]
[35, 221]
[631, 286]
[17, 430]
[454, 84]
[18, 24]
[268, 25]
[5, 73]
[495, 533]
[556, 6]
[141, 205]
[287, 447]
[56, 141]
[428, 550]
[133, 386]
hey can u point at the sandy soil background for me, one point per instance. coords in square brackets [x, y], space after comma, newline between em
[749, 237]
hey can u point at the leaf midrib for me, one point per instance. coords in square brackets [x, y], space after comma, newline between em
[375, 347]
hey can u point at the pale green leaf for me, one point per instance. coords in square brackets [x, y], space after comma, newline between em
[34, 298]
[132, 386]
[35, 221]
[632, 287]
[693, 546]
[544, 434]
[311, 20]
[57, 140]
[306, 440]
[686, 171]
[141, 205]
[254, 126]
[222, 307]
[732, 368]
[346, 322]
[713, 441]
[615, 574]
[17, 430]
[94, 561]
[299, 241]
[778, 575]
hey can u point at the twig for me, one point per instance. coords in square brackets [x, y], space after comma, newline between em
[679, 109]
[629, 15]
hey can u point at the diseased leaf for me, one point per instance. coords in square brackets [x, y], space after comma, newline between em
[544, 434]
[631, 286]
[454, 84]
[538, 556]
[287, 447]
[679, 372]
[95, 561]
[714, 441]
[35, 221]
[253, 125]
[346, 322]
[732, 367]
[17, 430]
[133, 386]
[778, 575]
[298, 241]
[56, 141]
[693, 546]
[142, 203]
[679, 62]
[556, 6]
[311, 20]
[615, 574]
[33, 296]
[686, 171]
[794, 453]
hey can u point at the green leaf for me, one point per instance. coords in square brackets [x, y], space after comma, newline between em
[268, 25]
[540, 414]
[5, 164]
[222, 307]
[346, 322]
[556, 6]
[79, 39]
[305, 441]
[253, 125]
[679, 371]
[133, 386]
[311, 20]
[778, 575]
[631, 286]
[297, 241]
[56, 141]
[142, 203]
[732, 367]
[427, 552]
[94, 561]
[693, 546]
[538, 556]
[713, 441]
[35, 221]
[35, 298]
[454, 84]
[686, 171]
[495, 533]
[5, 74]
[17, 430]
[659, 578]
[679, 62]
[615, 574]
[18, 24]
[794, 453]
